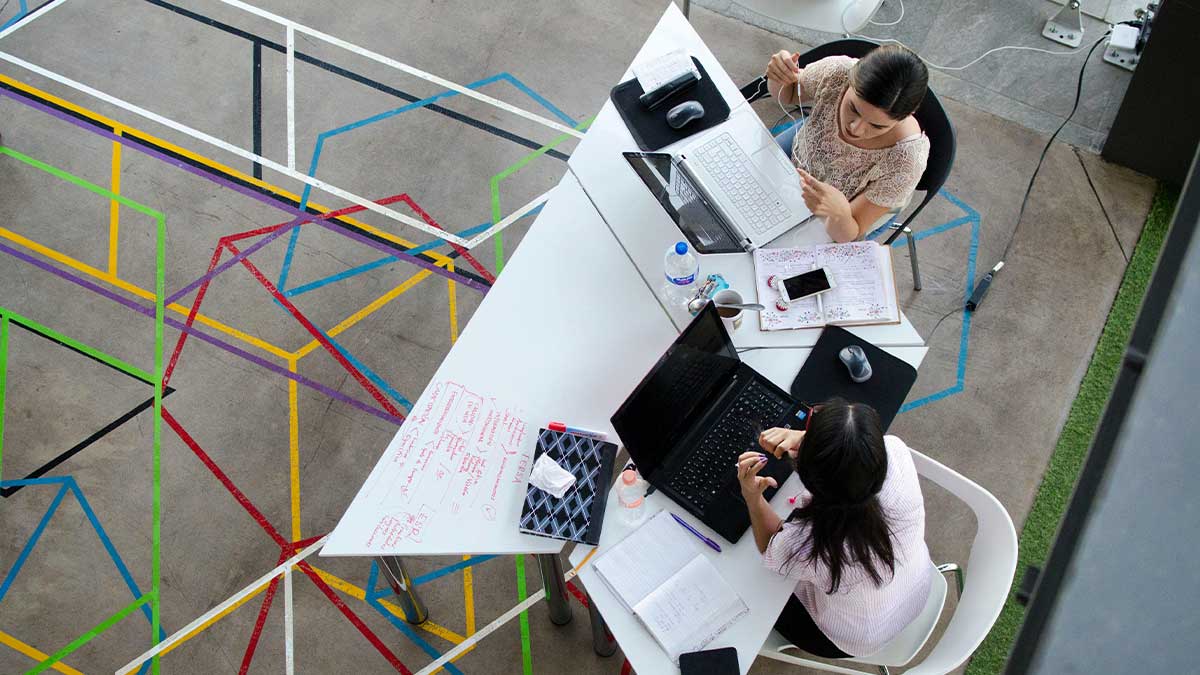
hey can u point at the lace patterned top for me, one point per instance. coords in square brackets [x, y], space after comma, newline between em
[886, 176]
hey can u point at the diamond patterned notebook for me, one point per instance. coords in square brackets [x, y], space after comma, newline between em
[579, 515]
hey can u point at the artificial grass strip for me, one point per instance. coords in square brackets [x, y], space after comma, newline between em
[1069, 453]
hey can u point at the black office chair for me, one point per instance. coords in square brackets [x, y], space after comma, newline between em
[930, 115]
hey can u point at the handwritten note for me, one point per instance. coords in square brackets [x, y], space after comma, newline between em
[451, 463]
[864, 292]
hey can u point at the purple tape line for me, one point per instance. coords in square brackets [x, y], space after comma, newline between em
[254, 194]
[174, 297]
[191, 330]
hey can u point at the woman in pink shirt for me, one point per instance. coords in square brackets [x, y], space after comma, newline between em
[855, 543]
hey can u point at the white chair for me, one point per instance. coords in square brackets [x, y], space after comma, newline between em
[981, 593]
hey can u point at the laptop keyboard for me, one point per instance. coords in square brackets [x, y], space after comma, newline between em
[730, 166]
[708, 467]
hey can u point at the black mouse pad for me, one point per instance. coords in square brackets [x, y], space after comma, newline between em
[650, 128]
[824, 376]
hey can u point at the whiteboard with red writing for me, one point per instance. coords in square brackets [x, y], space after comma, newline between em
[452, 481]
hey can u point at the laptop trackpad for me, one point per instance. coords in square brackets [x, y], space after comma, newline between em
[780, 174]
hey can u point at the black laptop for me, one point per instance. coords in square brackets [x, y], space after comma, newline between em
[693, 414]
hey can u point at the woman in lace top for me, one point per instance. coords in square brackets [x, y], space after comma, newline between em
[860, 152]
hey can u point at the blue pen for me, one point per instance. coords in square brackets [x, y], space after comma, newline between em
[711, 544]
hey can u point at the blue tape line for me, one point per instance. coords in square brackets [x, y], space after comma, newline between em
[964, 336]
[409, 633]
[374, 593]
[367, 267]
[112, 550]
[538, 97]
[33, 538]
[287, 257]
[320, 144]
[450, 569]
[368, 373]
[438, 243]
[69, 484]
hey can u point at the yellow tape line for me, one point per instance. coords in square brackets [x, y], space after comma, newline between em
[359, 594]
[294, 450]
[137, 290]
[126, 130]
[215, 618]
[452, 301]
[6, 639]
[364, 312]
[114, 210]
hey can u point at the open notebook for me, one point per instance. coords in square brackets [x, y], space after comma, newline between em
[865, 291]
[660, 575]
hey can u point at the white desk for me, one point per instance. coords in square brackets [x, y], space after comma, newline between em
[563, 341]
[646, 231]
[764, 592]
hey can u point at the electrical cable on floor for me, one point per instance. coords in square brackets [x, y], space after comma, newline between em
[931, 64]
[1099, 201]
[1029, 189]
[886, 23]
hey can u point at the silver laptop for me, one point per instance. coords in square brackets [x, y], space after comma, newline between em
[740, 169]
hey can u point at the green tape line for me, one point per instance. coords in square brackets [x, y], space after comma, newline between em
[494, 185]
[76, 344]
[526, 650]
[88, 636]
[160, 290]
[3, 379]
[160, 312]
[90, 187]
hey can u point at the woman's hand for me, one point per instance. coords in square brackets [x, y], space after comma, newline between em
[782, 75]
[822, 198]
[752, 484]
[779, 440]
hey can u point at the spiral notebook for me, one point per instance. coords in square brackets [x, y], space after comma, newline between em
[661, 576]
[579, 514]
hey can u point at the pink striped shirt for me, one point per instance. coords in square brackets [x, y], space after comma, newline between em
[860, 618]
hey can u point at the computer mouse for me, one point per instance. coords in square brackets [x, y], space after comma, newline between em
[679, 116]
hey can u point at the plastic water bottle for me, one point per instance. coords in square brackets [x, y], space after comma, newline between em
[682, 269]
[631, 495]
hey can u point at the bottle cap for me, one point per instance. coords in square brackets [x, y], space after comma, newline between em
[681, 248]
[629, 476]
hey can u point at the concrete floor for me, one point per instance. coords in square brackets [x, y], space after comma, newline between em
[989, 405]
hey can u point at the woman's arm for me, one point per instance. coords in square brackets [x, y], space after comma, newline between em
[763, 520]
[845, 220]
[863, 214]
[782, 75]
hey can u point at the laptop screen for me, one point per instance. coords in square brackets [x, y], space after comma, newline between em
[672, 396]
[675, 192]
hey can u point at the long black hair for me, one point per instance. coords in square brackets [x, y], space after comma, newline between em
[842, 461]
[892, 79]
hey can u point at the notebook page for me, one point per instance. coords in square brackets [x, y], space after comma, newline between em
[646, 558]
[691, 609]
[784, 263]
[862, 292]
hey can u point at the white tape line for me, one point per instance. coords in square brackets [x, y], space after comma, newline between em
[291, 98]
[25, 21]
[366, 53]
[240, 152]
[510, 219]
[254, 585]
[289, 650]
[491, 627]
[483, 632]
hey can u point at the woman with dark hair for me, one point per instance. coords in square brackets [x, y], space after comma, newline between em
[860, 152]
[855, 542]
